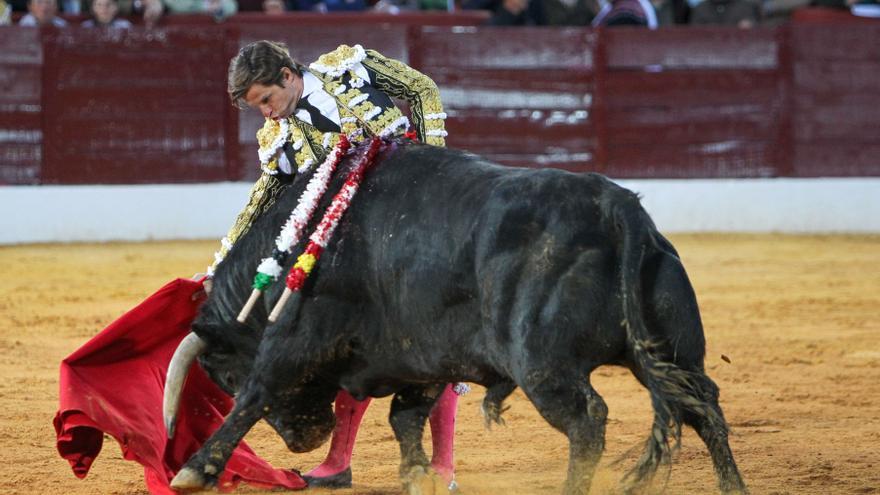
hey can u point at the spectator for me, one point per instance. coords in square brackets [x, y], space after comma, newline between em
[741, 13]
[273, 7]
[72, 7]
[104, 15]
[626, 13]
[217, 8]
[672, 12]
[865, 8]
[153, 10]
[779, 11]
[5, 13]
[42, 13]
[327, 5]
[831, 4]
[436, 5]
[535, 12]
[396, 6]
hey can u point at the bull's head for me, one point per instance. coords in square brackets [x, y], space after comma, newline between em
[225, 354]
[301, 414]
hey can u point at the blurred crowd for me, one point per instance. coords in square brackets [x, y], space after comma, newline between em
[651, 14]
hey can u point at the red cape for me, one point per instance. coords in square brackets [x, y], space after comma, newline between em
[114, 384]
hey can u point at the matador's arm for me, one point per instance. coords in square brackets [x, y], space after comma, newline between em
[398, 80]
[264, 191]
[262, 196]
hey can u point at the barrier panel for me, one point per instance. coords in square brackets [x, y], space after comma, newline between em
[21, 128]
[524, 102]
[143, 106]
[835, 99]
[692, 103]
[134, 107]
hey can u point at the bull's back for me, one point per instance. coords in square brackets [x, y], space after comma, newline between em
[460, 248]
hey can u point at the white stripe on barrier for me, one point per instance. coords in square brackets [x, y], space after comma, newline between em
[205, 211]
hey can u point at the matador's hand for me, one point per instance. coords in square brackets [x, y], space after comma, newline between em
[207, 285]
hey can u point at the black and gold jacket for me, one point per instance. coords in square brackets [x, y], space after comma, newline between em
[347, 90]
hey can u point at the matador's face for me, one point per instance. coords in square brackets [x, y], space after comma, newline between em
[276, 101]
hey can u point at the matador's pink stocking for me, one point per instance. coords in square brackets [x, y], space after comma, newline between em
[349, 413]
[443, 433]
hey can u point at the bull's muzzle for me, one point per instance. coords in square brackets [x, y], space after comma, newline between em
[189, 349]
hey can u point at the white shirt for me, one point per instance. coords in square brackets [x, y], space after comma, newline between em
[314, 93]
[114, 24]
[31, 21]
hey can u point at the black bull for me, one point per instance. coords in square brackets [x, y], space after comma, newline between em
[449, 268]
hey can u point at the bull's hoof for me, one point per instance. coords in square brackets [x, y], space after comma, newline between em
[493, 403]
[341, 479]
[189, 480]
[492, 412]
[420, 481]
[739, 489]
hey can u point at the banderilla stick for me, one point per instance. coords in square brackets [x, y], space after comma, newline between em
[249, 305]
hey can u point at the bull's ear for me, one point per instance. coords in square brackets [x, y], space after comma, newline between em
[230, 337]
[249, 330]
[209, 333]
[202, 330]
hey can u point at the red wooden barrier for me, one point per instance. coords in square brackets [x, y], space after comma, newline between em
[836, 103]
[692, 102]
[21, 134]
[137, 107]
[524, 101]
[80, 106]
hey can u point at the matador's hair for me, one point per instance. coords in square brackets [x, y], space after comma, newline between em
[259, 62]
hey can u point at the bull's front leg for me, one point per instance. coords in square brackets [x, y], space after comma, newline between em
[204, 467]
[409, 413]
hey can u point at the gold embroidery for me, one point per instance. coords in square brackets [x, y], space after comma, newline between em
[386, 118]
[353, 103]
[266, 136]
[303, 154]
[335, 63]
[401, 81]
[263, 195]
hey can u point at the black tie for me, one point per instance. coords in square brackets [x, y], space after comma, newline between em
[319, 120]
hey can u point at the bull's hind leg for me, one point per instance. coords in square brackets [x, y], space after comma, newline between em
[713, 431]
[692, 399]
[410, 409]
[678, 374]
[493, 403]
[571, 405]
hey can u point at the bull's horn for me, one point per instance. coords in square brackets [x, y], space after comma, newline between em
[189, 349]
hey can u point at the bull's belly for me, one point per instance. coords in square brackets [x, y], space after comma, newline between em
[388, 374]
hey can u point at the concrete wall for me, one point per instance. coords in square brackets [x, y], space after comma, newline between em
[203, 211]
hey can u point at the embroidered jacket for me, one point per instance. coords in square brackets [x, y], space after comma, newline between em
[347, 90]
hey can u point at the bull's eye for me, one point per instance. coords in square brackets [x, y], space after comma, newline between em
[229, 378]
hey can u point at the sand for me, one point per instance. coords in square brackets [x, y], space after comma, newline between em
[796, 316]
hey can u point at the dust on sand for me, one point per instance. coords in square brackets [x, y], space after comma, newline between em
[795, 316]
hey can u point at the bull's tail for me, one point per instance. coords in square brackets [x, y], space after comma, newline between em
[673, 390]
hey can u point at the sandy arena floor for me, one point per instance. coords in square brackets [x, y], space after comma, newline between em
[796, 316]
